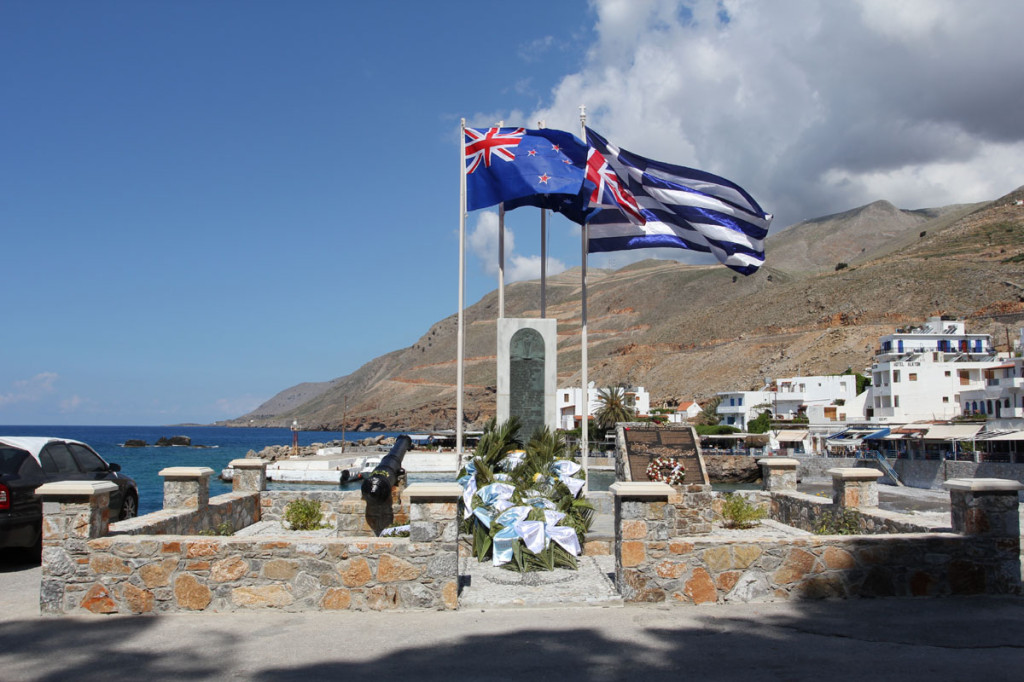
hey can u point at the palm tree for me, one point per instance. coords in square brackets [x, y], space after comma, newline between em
[613, 408]
[709, 415]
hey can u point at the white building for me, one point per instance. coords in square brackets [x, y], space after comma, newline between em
[919, 374]
[820, 398]
[1002, 397]
[686, 411]
[569, 402]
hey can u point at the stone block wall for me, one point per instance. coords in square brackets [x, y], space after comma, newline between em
[344, 510]
[708, 570]
[146, 565]
[657, 563]
[232, 511]
[163, 574]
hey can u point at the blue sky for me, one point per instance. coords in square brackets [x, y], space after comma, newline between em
[202, 203]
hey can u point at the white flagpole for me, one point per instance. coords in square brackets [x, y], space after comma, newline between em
[461, 335]
[584, 433]
[543, 254]
[501, 260]
[543, 263]
[501, 254]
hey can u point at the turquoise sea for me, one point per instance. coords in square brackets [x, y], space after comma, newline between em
[143, 464]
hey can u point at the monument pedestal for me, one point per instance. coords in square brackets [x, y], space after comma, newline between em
[528, 373]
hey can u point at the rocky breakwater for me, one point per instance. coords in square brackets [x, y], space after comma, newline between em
[732, 468]
[273, 453]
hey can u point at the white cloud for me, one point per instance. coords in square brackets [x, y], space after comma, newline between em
[813, 106]
[30, 390]
[482, 241]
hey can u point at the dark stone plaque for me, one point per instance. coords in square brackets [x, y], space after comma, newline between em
[526, 381]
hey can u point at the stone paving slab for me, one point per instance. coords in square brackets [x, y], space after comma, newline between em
[485, 586]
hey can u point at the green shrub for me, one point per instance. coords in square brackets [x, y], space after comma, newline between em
[846, 522]
[304, 514]
[223, 528]
[739, 513]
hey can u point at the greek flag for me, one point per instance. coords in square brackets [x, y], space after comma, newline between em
[684, 208]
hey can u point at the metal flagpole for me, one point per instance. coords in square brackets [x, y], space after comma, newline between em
[460, 336]
[543, 263]
[584, 433]
[501, 254]
[544, 255]
[501, 261]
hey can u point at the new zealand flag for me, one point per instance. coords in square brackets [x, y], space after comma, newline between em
[533, 166]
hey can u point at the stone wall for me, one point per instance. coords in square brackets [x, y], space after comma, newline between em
[804, 511]
[146, 565]
[655, 562]
[704, 570]
[230, 511]
[344, 510]
[171, 573]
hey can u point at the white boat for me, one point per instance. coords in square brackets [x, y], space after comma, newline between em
[369, 465]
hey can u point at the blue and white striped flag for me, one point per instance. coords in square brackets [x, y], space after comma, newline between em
[684, 208]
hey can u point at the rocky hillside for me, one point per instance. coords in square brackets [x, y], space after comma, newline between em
[687, 331]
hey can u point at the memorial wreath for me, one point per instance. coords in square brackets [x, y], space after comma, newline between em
[666, 470]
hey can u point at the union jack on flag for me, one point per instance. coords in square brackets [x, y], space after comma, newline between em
[608, 190]
[481, 145]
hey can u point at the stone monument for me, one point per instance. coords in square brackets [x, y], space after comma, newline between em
[528, 372]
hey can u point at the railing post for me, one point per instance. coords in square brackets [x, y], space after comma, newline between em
[186, 487]
[250, 475]
[854, 487]
[73, 512]
[984, 506]
[778, 474]
[433, 518]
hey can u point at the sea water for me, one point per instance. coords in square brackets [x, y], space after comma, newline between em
[212, 446]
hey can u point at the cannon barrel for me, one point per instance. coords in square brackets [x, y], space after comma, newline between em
[379, 484]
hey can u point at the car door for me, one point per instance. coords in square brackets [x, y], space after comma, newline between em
[21, 475]
[96, 469]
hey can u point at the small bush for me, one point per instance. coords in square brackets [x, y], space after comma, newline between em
[846, 522]
[739, 513]
[304, 514]
[841, 266]
[223, 528]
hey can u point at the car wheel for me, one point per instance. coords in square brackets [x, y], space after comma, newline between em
[130, 507]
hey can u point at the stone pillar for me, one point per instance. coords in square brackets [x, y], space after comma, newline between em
[778, 474]
[984, 506]
[186, 487]
[250, 475]
[640, 516]
[433, 518]
[854, 487]
[73, 512]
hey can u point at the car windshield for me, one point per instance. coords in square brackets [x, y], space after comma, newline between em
[11, 460]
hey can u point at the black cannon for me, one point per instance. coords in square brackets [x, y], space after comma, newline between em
[377, 486]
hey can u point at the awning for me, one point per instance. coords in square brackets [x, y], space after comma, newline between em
[878, 435]
[790, 435]
[953, 431]
[1013, 435]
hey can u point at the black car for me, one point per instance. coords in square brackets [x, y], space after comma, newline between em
[27, 463]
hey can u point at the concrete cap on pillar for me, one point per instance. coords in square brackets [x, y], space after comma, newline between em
[247, 463]
[855, 474]
[640, 489]
[780, 462]
[84, 488]
[982, 484]
[435, 491]
[186, 472]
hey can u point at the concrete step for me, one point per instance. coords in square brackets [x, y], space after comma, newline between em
[484, 586]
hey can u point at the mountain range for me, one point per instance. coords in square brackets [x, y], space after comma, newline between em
[829, 288]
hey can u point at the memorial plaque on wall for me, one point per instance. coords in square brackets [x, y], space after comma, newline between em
[526, 381]
[645, 443]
